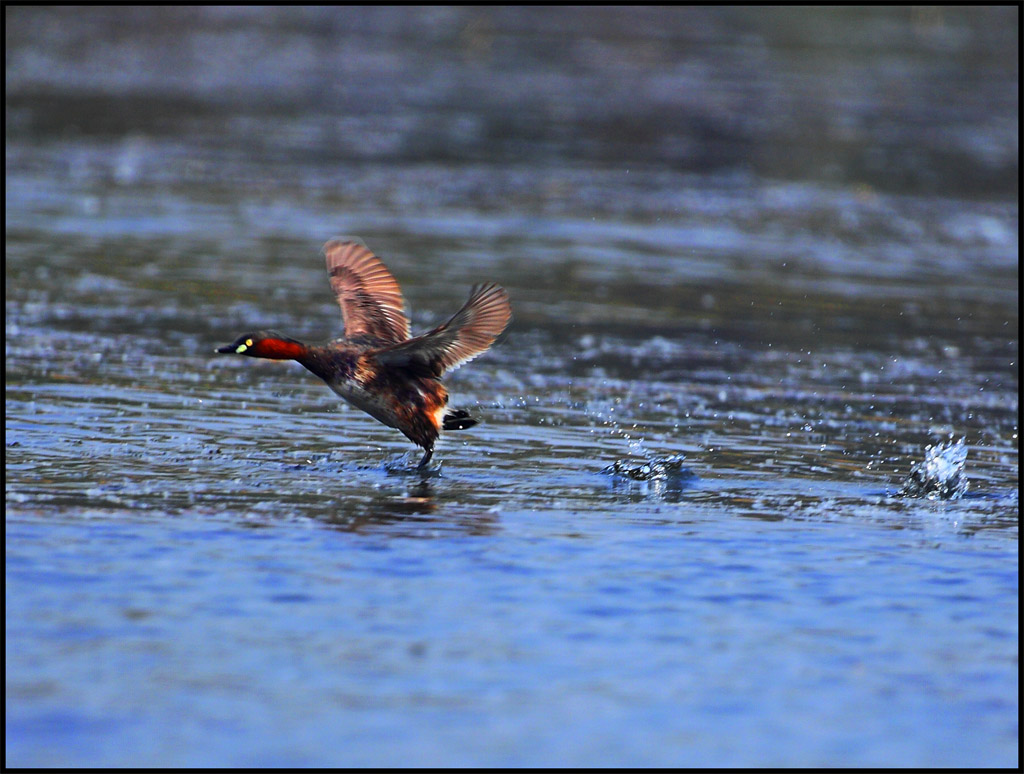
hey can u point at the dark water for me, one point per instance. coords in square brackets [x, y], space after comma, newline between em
[781, 243]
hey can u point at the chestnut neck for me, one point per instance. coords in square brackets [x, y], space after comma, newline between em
[279, 349]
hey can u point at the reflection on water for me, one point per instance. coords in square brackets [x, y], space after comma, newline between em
[780, 244]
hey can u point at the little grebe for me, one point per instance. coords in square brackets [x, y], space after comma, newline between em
[377, 366]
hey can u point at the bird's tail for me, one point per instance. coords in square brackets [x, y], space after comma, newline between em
[457, 419]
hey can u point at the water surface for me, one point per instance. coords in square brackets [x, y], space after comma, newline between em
[781, 244]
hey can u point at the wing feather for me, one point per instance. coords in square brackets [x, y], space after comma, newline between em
[370, 299]
[470, 332]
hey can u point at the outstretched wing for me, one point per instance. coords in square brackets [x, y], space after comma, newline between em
[469, 333]
[371, 301]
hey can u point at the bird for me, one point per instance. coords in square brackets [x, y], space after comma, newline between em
[377, 366]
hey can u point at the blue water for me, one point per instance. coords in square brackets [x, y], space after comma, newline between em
[681, 636]
[780, 245]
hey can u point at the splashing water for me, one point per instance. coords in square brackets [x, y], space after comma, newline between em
[941, 476]
[651, 469]
[642, 464]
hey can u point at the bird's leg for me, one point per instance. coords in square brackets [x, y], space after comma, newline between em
[426, 458]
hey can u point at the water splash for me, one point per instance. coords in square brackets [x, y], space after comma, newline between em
[650, 469]
[408, 464]
[657, 478]
[941, 476]
[656, 472]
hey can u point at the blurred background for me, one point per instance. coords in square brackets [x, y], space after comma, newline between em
[917, 100]
[847, 151]
[780, 241]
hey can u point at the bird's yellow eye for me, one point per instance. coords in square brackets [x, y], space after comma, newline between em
[248, 342]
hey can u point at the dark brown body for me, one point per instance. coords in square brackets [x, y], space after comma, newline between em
[399, 397]
[377, 366]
